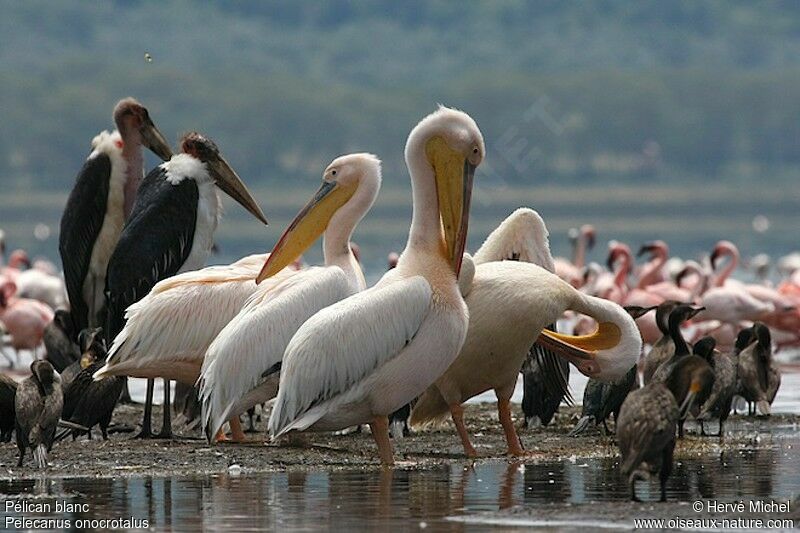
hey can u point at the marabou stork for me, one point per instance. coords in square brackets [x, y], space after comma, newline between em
[99, 204]
[170, 230]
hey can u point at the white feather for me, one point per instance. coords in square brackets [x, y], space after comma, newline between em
[344, 345]
[524, 234]
[256, 338]
[109, 144]
[168, 331]
[182, 166]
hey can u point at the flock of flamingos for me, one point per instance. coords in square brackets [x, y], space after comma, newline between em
[134, 299]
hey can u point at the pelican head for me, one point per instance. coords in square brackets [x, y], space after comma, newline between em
[201, 147]
[453, 147]
[130, 115]
[350, 185]
[606, 354]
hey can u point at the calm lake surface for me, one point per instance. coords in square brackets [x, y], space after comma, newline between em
[450, 498]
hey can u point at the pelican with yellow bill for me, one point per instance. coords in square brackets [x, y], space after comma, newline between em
[242, 366]
[512, 297]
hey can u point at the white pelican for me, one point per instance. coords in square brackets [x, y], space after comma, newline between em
[100, 202]
[240, 367]
[362, 358]
[171, 230]
[523, 236]
[510, 303]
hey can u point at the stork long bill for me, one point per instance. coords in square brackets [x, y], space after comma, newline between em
[232, 185]
[306, 227]
[155, 140]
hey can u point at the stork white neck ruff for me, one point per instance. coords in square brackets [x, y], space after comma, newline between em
[183, 166]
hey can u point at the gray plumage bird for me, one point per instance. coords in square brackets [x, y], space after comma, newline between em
[759, 377]
[649, 418]
[718, 405]
[38, 406]
[663, 349]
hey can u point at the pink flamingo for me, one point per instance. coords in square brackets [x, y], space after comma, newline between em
[784, 314]
[620, 261]
[24, 319]
[652, 277]
[572, 271]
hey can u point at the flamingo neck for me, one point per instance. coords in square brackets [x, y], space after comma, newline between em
[728, 270]
[621, 274]
[651, 270]
[580, 252]
[134, 168]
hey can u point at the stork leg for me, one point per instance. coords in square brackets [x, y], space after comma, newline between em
[146, 432]
[457, 412]
[380, 432]
[166, 426]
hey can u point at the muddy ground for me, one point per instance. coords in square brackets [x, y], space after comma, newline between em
[122, 455]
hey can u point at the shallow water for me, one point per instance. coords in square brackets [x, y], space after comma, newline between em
[439, 497]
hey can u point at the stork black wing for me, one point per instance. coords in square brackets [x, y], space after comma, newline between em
[154, 244]
[80, 224]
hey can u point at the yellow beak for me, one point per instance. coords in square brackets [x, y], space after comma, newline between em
[306, 227]
[454, 175]
[582, 349]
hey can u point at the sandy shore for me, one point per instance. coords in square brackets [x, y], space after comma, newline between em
[123, 456]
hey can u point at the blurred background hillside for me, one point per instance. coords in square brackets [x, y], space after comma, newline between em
[674, 120]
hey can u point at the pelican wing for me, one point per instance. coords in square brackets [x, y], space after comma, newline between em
[255, 340]
[343, 344]
[80, 225]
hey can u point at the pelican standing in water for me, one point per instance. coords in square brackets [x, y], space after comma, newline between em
[99, 204]
[242, 365]
[364, 357]
[171, 230]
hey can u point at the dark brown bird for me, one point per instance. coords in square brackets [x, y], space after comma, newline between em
[664, 347]
[648, 420]
[679, 314]
[8, 390]
[88, 402]
[759, 377]
[58, 340]
[718, 405]
[38, 405]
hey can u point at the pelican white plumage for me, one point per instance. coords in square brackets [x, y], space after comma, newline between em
[362, 358]
[510, 303]
[242, 365]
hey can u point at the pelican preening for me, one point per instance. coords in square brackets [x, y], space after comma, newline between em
[170, 231]
[510, 303]
[99, 204]
[241, 366]
[362, 358]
